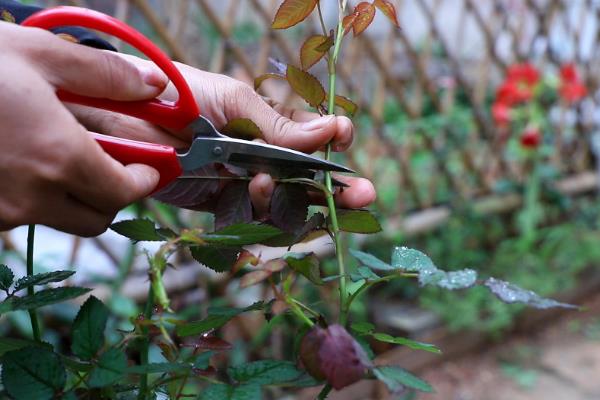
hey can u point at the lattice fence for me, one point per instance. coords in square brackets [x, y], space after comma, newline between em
[425, 136]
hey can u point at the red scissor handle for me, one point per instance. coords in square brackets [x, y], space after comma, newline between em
[170, 115]
[173, 115]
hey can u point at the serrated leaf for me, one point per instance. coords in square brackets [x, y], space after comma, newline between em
[242, 128]
[306, 264]
[292, 12]
[365, 14]
[327, 44]
[216, 319]
[451, 280]
[264, 372]
[348, 22]
[228, 392]
[42, 279]
[87, 331]
[396, 379]
[346, 104]
[242, 234]
[157, 368]
[413, 344]
[139, 230]
[510, 293]
[10, 344]
[357, 221]
[46, 297]
[233, 205]
[310, 53]
[306, 86]
[6, 277]
[410, 260]
[219, 259]
[371, 261]
[258, 81]
[212, 343]
[190, 193]
[32, 373]
[110, 368]
[388, 9]
[314, 223]
[289, 207]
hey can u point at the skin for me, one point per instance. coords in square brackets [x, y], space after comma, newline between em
[55, 174]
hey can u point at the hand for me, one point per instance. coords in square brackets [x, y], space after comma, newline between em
[53, 172]
[222, 99]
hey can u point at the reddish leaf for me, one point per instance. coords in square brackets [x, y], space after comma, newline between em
[326, 45]
[334, 355]
[212, 343]
[260, 79]
[343, 360]
[348, 105]
[306, 85]
[190, 193]
[242, 128]
[292, 12]
[314, 223]
[366, 13]
[233, 205]
[309, 53]
[245, 258]
[289, 206]
[348, 22]
[254, 277]
[388, 9]
[274, 265]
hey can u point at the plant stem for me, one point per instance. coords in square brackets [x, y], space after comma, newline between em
[35, 327]
[142, 395]
[335, 230]
[324, 392]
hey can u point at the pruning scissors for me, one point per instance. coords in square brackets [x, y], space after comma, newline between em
[208, 146]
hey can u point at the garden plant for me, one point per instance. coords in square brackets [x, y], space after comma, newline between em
[330, 347]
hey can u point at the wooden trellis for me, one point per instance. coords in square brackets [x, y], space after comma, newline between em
[447, 51]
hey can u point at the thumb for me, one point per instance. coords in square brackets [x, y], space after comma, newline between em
[92, 72]
[143, 180]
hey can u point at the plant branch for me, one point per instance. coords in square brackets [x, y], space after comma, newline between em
[142, 395]
[35, 327]
[324, 392]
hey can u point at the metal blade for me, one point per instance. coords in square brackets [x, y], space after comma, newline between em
[251, 155]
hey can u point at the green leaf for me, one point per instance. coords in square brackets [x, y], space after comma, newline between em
[42, 279]
[227, 392]
[138, 230]
[347, 105]
[44, 297]
[265, 372]
[242, 128]
[357, 221]
[396, 378]
[411, 260]
[6, 277]
[217, 318]
[203, 360]
[371, 261]
[363, 327]
[306, 264]
[10, 344]
[510, 293]
[157, 368]
[219, 259]
[241, 235]
[110, 368]
[384, 337]
[292, 12]
[33, 373]
[306, 86]
[88, 329]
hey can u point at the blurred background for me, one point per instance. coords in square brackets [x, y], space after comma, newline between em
[479, 126]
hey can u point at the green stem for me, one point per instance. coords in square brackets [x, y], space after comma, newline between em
[35, 327]
[335, 230]
[142, 395]
[324, 392]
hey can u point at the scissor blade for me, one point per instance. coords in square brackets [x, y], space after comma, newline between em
[251, 155]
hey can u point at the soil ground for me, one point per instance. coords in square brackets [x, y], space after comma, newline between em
[560, 362]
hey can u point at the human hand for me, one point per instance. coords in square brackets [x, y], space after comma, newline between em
[53, 172]
[222, 99]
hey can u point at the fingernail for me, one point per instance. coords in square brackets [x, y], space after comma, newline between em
[318, 123]
[152, 77]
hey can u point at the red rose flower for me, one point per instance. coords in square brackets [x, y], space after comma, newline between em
[531, 138]
[501, 114]
[523, 73]
[571, 88]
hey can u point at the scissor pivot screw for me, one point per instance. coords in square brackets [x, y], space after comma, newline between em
[217, 151]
